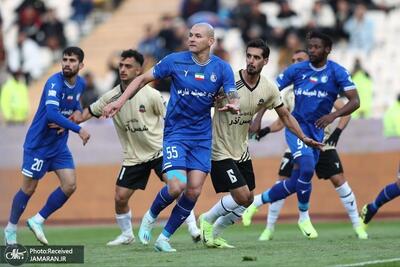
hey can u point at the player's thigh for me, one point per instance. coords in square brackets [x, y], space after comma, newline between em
[286, 166]
[199, 155]
[134, 177]
[225, 175]
[247, 171]
[174, 155]
[157, 166]
[329, 164]
[34, 165]
[297, 147]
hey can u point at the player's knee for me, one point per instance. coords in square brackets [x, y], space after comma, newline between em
[69, 188]
[193, 193]
[306, 172]
[120, 200]
[29, 190]
[244, 199]
[175, 189]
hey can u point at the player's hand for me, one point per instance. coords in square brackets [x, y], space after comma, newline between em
[76, 117]
[325, 120]
[263, 132]
[233, 108]
[334, 137]
[85, 136]
[111, 109]
[52, 125]
[312, 143]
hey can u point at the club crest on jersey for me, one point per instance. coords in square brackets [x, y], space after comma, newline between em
[213, 77]
[324, 79]
[199, 76]
[261, 101]
[70, 97]
[313, 79]
[142, 108]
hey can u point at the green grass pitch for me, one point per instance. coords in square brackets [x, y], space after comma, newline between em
[335, 246]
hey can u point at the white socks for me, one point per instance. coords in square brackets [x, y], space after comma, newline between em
[349, 202]
[11, 226]
[125, 223]
[303, 215]
[38, 218]
[273, 213]
[258, 201]
[224, 221]
[224, 206]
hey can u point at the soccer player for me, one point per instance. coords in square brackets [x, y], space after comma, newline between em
[329, 167]
[139, 125]
[196, 77]
[46, 150]
[316, 84]
[231, 166]
[390, 192]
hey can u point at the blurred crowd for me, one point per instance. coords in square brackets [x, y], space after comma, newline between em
[283, 24]
[33, 34]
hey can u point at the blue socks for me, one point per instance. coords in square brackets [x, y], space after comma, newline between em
[388, 193]
[178, 215]
[18, 206]
[55, 201]
[162, 200]
[303, 187]
[281, 190]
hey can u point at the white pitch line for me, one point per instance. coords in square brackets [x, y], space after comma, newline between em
[368, 262]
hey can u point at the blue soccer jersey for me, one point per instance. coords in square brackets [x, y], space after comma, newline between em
[59, 100]
[193, 87]
[315, 89]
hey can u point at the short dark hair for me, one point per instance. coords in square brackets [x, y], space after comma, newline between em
[74, 50]
[300, 51]
[319, 35]
[133, 53]
[259, 43]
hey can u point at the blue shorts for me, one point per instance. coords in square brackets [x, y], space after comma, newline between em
[187, 155]
[298, 148]
[34, 165]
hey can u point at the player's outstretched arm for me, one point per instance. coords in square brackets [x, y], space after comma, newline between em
[292, 124]
[347, 109]
[112, 108]
[84, 135]
[274, 127]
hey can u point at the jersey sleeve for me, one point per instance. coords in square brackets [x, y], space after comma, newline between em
[163, 68]
[285, 78]
[276, 99]
[158, 104]
[343, 79]
[96, 108]
[52, 93]
[228, 82]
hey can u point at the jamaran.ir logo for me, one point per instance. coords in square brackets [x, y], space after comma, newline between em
[16, 255]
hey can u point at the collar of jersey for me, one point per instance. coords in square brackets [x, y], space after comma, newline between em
[69, 85]
[201, 64]
[246, 84]
[318, 69]
[122, 91]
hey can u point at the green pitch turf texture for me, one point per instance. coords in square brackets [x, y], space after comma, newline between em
[336, 245]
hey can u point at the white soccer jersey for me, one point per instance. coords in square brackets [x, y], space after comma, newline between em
[230, 131]
[139, 123]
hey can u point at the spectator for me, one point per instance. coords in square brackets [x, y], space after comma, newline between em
[292, 44]
[361, 30]
[29, 22]
[363, 82]
[190, 7]
[52, 32]
[342, 14]
[220, 51]
[391, 119]
[26, 56]
[14, 100]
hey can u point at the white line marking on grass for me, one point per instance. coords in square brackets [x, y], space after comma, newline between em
[368, 262]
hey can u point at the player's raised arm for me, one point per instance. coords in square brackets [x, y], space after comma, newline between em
[112, 108]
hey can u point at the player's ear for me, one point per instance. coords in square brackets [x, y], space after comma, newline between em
[211, 41]
[266, 61]
[81, 65]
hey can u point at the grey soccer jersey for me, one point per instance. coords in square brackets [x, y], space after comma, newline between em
[139, 123]
[230, 131]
